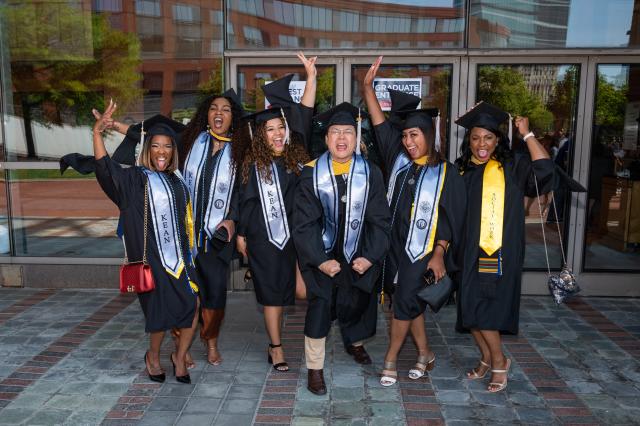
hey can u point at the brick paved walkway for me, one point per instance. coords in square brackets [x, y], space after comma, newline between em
[75, 357]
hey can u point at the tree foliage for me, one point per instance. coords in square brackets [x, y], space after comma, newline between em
[66, 61]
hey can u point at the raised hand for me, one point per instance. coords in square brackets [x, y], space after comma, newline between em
[372, 72]
[104, 120]
[309, 64]
[522, 124]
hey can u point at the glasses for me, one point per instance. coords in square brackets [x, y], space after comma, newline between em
[338, 132]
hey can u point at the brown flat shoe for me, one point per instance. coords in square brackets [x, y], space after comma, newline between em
[359, 354]
[315, 382]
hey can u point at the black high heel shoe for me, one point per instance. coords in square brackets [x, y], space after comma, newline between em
[182, 379]
[160, 378]
[281, 366]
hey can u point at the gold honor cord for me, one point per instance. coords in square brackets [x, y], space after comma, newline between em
[492, 214]
[220, 138]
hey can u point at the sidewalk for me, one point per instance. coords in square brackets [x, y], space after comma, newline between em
[75, 357]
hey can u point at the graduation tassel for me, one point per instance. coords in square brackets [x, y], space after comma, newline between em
[139, 156]
[358, 133]
[438, 132]
[286, 127]
[250, 130]
[510, 130]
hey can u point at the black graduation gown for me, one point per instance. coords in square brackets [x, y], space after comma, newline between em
[338, 297]
[406, 304]
[273, 270]
[488, 301]
[172, 303]
[214, 255]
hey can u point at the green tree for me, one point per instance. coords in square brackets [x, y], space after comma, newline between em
[66, 61]
[563, 99]
[506, 88]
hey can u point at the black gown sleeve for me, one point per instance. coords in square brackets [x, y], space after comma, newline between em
[118, 182]
[389, 143]
[234, 204]
[451, 215]
[307, 228]
[377, 218]
[526, 171]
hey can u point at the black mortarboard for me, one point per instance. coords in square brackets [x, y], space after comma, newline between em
[422, 118]
[125, 153]
[233, 97]
[342, 114]
[403, 101]
[277, 92]
[483, 115]
[266, 115]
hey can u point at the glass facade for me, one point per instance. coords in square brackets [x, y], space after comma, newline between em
[613, 211]
[60, 59]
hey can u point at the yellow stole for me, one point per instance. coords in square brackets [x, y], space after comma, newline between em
[492, 212]
[340, 168]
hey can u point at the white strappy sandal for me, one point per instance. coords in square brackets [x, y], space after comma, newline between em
[500, 386]
[422, 366]
[473, 374]
[389, 374]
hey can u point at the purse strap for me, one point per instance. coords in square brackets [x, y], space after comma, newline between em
[146, 215]
[544, 238]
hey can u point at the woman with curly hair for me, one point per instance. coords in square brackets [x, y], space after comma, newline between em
[211, 160]
[269, 173]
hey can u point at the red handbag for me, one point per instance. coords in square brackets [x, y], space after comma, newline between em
[136, 277]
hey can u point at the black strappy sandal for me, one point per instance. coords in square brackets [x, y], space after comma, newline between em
[281, 366]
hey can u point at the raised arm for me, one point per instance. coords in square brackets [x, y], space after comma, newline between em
[536, 150]
[369, 95]
[104, 122]
[119, 127]
[309, 95]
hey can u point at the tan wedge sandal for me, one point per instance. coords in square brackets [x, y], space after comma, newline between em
[389, 374]
[422, 366]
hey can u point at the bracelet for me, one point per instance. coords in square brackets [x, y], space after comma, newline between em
[444, 249]
[528, 135]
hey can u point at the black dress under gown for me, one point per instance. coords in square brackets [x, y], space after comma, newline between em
[173, 302]
[347, 297]
[214, 255]
[488, 301]
[451, 209]
[273, 271]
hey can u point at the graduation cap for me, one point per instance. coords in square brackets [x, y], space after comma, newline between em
[422, 118]
[343, 114]
[403, 101]
[486, 116]
[125, 153]
[233, 97]
[278, 95]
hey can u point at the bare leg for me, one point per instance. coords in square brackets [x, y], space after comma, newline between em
[399, 330]
[498, 360]
[273, 323]
[212, 321]
[419, 334]
[301, 287]
[153, 356]
[184, 343]
[485, 356]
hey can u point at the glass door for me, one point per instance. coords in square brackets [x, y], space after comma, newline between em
[547, 91]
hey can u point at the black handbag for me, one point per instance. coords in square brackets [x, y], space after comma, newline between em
[435, 293]
[564, 285]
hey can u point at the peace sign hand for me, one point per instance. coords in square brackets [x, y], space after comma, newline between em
[309, 64]
[104, 121]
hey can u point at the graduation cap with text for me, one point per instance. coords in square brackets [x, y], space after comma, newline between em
[486, 116]
[343, 114]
